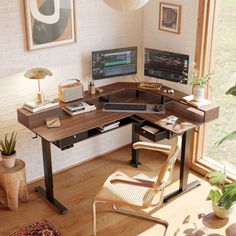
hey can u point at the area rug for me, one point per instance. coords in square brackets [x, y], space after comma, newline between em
[40, 228]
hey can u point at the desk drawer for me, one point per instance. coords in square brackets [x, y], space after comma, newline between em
[69, 141]
[152, 133]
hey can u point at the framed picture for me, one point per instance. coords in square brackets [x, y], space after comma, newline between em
[49, 22]
[170, 17]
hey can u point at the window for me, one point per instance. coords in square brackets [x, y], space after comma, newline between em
[207, 155]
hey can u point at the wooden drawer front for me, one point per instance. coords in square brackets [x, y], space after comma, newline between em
[69, 141]
[161, 134]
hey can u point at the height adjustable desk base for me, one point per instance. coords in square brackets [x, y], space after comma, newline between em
[187, 188]
[62, 209]
[135, 164]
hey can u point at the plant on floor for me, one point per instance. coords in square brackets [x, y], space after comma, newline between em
[7, 149]
[8, 145]
[224, 193]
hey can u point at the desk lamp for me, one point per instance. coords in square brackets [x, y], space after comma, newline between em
[38, 74]
[126, 5]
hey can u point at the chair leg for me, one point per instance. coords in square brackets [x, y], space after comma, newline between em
[146, 217]
[94, 218]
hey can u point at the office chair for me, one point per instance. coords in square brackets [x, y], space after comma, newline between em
[138, 190]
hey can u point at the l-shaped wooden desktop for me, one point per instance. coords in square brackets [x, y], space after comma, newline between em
[74, 129]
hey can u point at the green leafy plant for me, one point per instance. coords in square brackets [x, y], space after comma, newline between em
[196, 79]
[232, 135]
[224, 194]
[7, 145]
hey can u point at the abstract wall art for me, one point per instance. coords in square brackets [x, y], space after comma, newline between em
[49, 23]
[170, 17]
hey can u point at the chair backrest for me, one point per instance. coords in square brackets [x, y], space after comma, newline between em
[166, 172]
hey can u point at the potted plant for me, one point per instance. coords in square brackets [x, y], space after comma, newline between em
[7, 148]
[223, 196]
[199, 83]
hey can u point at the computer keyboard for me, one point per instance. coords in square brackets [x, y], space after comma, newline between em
[125, 106]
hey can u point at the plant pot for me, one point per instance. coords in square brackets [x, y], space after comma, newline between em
[221, 212]
[9, 161]
[198, 93]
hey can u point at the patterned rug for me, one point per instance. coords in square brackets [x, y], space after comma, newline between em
[40, 228]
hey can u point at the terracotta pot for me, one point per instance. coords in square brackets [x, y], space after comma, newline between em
[221, 212]
[9, 161]
[198, 93]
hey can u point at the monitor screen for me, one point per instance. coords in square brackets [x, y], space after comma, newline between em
[166, 65]
[114, 62]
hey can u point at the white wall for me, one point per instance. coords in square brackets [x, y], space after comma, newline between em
[98, 27]
[180, 43]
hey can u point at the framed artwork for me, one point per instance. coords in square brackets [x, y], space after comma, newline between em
[170, 17]
[49, 23]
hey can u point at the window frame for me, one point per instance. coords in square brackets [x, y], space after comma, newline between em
[204, 60]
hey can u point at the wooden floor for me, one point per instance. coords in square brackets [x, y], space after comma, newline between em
[76, 187]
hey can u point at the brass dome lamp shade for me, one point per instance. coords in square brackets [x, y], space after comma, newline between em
[126, 5]
[38, 74]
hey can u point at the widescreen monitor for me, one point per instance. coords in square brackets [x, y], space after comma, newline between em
[166, 65]
[114, 62]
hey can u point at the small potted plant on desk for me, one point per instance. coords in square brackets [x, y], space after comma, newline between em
[199, 83]
[223, 196]
[7, 148]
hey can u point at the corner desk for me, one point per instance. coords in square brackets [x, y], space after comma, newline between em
[74, 129]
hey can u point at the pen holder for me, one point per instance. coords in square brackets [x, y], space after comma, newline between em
[91, 89]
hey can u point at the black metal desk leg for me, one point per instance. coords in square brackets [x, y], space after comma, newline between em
[184, 168]
[184, 165]
[48, 178]
[135, 153]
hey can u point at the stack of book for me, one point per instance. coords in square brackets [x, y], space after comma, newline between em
[109, 126]
[33, 106]
[150, 85]
[190, 99]
[79, 108]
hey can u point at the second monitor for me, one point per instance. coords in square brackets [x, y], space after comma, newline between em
[166, 65]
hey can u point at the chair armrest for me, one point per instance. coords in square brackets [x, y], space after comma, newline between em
[160, 187]
[152, 146]
[132, 181]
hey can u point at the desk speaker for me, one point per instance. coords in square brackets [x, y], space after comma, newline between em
[69, 91]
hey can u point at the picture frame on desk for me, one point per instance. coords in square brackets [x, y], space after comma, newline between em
[49, 24]
[170, 17]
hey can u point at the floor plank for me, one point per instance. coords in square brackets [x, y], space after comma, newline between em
[76, 187]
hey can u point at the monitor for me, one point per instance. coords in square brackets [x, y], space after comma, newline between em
[114, 62]
[166, 65]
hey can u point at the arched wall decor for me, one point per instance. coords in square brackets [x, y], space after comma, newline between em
[126, 5]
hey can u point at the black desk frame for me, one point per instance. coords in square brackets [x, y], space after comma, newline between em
[184, 163]
[48, 193]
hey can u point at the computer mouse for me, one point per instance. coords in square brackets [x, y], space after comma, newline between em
[157, 108]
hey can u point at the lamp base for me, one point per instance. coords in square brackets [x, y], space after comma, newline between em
[40, 97]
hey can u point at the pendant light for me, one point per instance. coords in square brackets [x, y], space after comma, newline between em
[126, 5]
